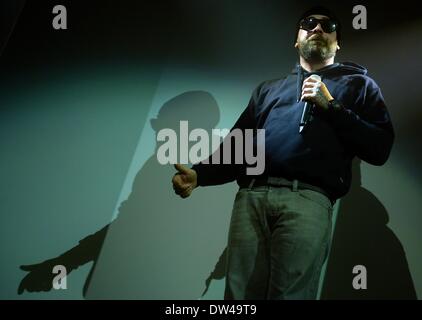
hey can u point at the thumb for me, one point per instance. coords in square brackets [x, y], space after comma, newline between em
[181, 168]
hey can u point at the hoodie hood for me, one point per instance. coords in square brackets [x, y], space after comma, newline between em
[343, 68]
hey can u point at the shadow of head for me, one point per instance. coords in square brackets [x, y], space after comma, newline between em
[199, 108]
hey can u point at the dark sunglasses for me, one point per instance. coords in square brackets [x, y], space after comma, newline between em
[327, 25]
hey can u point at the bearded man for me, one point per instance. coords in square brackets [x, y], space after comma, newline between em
[316, 120]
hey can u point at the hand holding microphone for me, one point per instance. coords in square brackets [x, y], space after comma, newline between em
[314, 93]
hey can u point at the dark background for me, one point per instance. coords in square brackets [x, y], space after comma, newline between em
[74, 104]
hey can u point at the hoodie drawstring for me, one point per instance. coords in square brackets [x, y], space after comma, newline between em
[299, 82]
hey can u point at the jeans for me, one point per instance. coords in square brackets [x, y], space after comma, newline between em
[278, 241]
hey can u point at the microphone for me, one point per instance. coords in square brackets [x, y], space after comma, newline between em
[307, 109]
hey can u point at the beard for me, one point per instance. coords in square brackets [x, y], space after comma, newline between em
[316, 49]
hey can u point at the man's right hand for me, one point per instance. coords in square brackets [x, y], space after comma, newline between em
[184, 181]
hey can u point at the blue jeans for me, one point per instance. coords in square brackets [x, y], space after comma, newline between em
[278, 241]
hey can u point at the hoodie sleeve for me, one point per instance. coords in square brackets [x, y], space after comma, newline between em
[215, 174]
[368, 134]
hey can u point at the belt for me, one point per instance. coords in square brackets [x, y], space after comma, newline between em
[281, 182]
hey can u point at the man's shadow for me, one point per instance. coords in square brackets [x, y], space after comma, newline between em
[160, 246]
[362, 237]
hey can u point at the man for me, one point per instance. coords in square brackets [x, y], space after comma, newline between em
[280, 228]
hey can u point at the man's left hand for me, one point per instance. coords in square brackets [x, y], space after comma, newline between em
[315, 91]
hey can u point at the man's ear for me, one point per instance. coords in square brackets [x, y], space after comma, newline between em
[296, 45]
[338, 47]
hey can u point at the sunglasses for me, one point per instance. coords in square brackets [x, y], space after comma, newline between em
[327, 25]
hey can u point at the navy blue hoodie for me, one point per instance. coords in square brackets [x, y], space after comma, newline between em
[322, 154]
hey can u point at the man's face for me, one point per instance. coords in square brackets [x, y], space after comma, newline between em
[316, 45]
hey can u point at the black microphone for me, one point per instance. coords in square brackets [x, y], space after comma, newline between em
[307, 109]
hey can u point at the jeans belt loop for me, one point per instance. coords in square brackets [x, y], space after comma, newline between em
[251, 183]
[294, 186]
